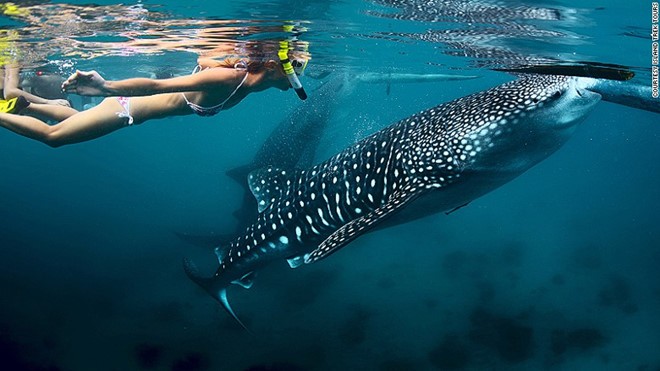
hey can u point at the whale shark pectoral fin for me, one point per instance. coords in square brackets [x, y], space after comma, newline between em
[210, 284]
[296, 261]
[245, 281]
[356, 227]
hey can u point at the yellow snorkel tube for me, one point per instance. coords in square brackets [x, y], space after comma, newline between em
[294, 81]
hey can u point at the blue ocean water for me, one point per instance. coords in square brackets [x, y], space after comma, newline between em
[555, 270]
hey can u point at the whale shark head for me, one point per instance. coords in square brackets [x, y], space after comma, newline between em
[508, 129]
[563, 102]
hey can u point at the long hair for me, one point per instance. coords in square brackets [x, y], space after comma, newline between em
[253, 55]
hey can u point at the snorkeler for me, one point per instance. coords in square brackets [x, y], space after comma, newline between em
[42, 87]
[214, 86]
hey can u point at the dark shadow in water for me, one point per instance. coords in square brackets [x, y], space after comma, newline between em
[617, 293]
[399, 365]
[354, 331]
[511, 340]
[486, 292]
[194, 361]
[587, 257]
[148, 356]
[580, 340]
[450, 354]
[279, 366]
[558, 280]
[13, 356]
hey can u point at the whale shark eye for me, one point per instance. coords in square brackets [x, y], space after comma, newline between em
[535, 100]
[556, 95]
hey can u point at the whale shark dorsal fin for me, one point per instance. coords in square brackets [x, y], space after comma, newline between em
[239, 173]
[356, 227]
[267, 184]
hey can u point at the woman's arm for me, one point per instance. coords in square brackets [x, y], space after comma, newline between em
[11, 89]
[91, 83]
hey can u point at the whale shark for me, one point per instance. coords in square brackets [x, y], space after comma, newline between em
[294, 141]
[437, 160]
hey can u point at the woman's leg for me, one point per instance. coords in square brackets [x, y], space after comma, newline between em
[83, 126]
[49, 111]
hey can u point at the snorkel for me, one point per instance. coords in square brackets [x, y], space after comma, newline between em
[294, 81]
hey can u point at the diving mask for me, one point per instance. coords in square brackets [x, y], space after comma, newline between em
[299, 66]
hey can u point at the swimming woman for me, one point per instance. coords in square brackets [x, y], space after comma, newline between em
[215, 86]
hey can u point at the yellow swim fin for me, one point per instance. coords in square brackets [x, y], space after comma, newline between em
[14, 105]
[7, 106]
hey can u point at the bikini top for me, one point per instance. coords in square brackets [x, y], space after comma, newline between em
[213, 110]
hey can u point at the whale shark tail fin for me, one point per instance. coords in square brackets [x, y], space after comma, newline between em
[213, 286]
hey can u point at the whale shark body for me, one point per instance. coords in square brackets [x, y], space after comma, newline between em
[294, 141]
[437, 160]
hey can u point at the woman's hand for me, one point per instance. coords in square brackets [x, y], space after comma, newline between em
[58, 102]
[85, 83]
